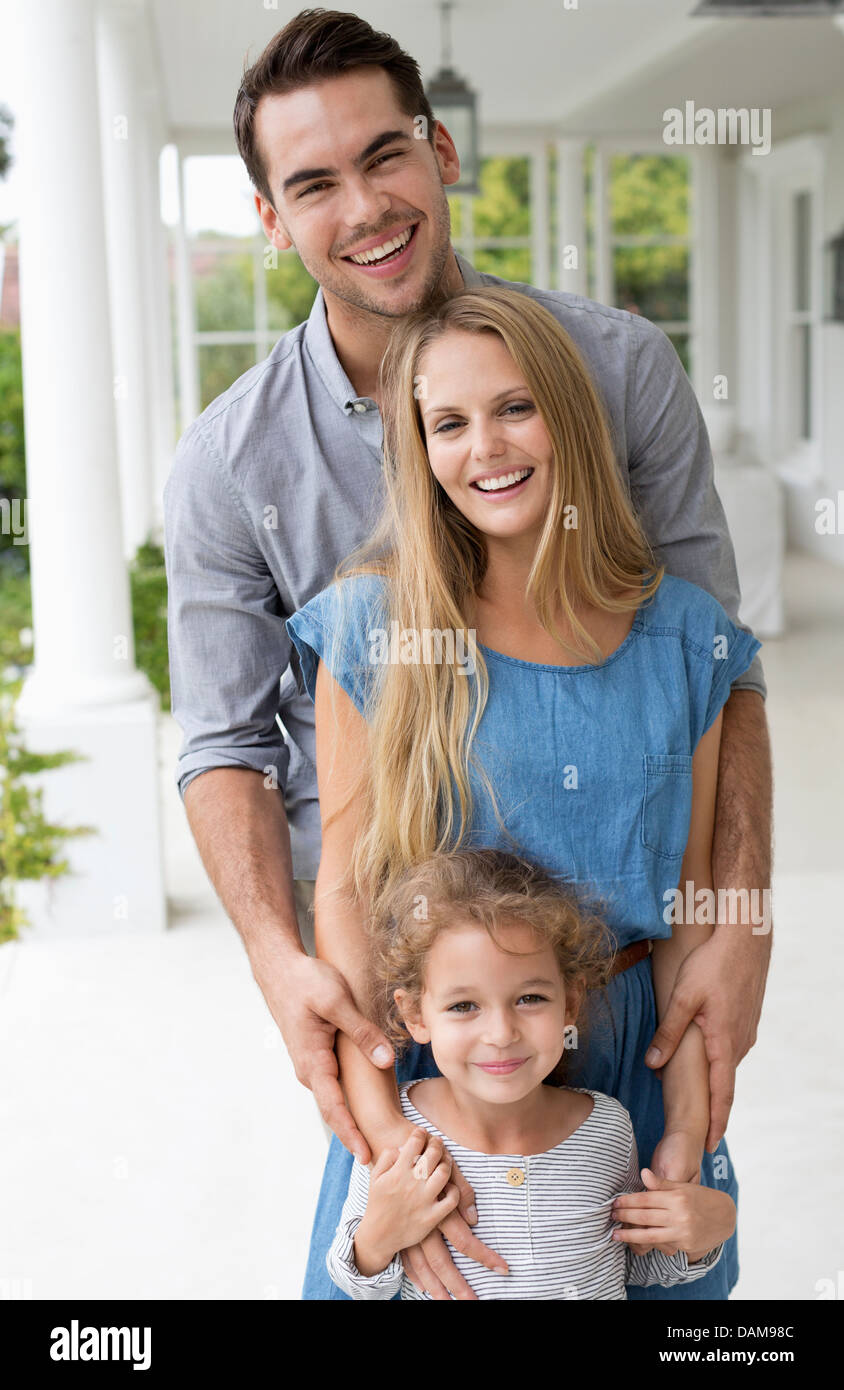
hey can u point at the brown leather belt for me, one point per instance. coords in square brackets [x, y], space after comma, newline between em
[631, 955]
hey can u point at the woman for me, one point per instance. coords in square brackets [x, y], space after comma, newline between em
[582, 731]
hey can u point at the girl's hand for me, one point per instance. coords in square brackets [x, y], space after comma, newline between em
[672, 1216]
[428, 1264]
[409, 1194]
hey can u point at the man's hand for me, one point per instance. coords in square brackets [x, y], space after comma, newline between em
[719, 987]
[431, 1267]
[310, 1000]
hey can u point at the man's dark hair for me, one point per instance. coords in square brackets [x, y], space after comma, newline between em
[317, 44]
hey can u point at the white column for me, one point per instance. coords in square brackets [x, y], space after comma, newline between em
[539, 219]
[186, 314]
[705, 279]
[159, 331]
[118, 44]
[601, 227]
[84, 692]
[571, 217]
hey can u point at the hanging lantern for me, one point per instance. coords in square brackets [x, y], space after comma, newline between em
[454, 104]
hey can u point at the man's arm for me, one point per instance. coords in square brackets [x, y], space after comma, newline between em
[672, 482]
[685, 1077]
[722, 983]
[228, 650]
[673, 491]
[741, 859]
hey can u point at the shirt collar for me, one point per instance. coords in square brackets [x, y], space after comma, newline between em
[322, 352]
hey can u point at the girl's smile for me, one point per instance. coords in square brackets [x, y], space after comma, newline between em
[495, 1013]
[502, 1068]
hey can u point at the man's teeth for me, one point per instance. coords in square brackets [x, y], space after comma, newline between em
[506, 480]
[377, 253]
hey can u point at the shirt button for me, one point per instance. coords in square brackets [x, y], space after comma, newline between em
[359, 408]
[515, 1176]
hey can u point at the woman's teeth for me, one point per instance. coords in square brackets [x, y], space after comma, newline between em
[506, 480]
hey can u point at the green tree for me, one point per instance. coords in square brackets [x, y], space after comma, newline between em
[13, 554]
[7, 121]
[30, 845]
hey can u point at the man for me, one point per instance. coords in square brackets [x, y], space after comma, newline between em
[279, 479]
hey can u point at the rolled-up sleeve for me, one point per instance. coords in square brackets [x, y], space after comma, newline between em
[227, 639]
[672, 481]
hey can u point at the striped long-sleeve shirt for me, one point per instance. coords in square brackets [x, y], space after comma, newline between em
[548, 1215]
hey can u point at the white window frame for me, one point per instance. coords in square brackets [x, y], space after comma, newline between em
[768, 186]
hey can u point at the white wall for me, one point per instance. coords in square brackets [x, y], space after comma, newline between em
[824, 113]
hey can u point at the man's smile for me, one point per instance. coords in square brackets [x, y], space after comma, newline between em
[383, 255]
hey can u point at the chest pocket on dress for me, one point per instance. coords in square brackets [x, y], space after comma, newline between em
[667, 803]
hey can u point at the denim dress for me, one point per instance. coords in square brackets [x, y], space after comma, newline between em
[591, 767]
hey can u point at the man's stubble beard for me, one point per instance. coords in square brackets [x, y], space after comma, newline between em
[433, 291]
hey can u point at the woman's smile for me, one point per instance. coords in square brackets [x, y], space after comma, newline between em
[487, 442]
[505, 483]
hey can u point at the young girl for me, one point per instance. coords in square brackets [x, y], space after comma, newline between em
[582, 734]
[491, 973]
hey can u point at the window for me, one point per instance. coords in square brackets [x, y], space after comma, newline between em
[493, 228]
[639, 248]
[241, 294]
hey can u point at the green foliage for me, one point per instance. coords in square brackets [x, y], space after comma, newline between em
[649, 201]
[30, 845]
[7, 121]
[148, 582]
[15, 619]
[290, 292]
[649, 195]
[12, 453]
[501, 209]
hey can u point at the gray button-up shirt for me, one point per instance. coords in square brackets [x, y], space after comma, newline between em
[280, 478]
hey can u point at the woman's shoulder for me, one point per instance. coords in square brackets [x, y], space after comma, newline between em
[682, 609]
[677, 599]
[350, 596]
[339, 626]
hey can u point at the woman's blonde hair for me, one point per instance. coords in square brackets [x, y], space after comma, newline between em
[488, 888]
[423, 722]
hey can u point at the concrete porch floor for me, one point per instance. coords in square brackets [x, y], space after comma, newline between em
[156, 1143]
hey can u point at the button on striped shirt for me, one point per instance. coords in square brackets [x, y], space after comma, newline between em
[549, 1216]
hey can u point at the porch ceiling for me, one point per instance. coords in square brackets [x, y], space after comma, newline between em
[532, 63]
